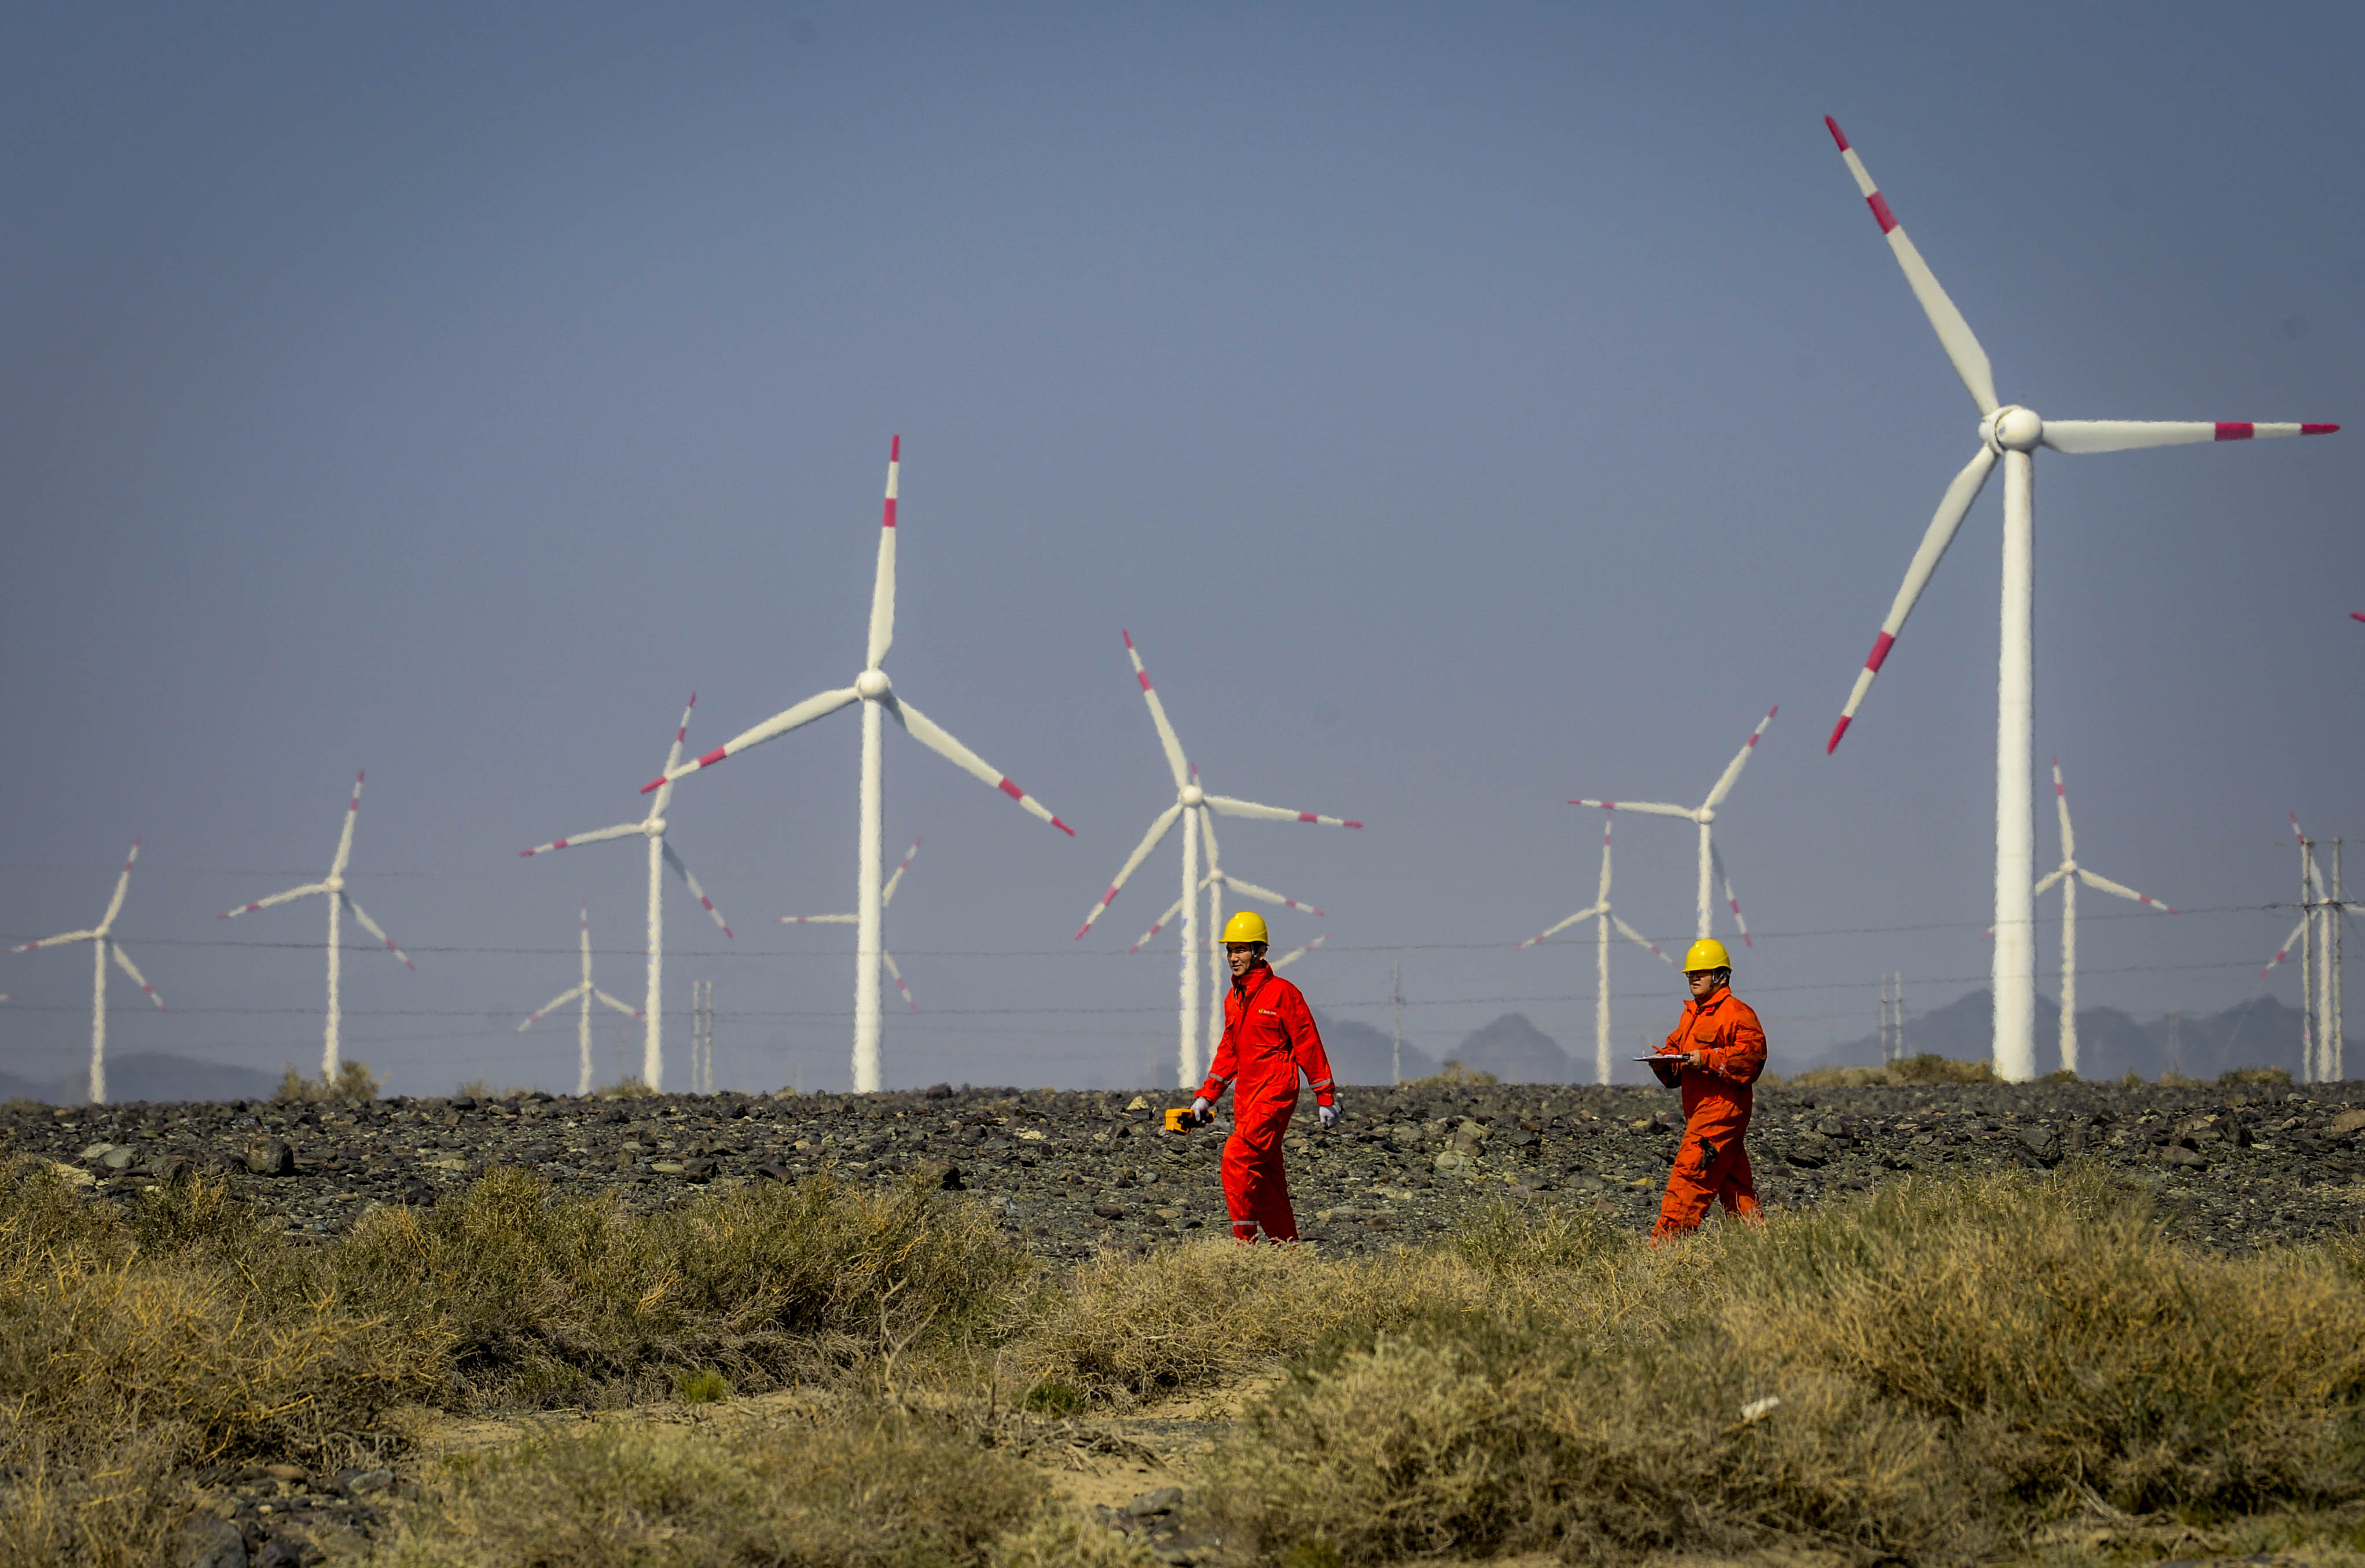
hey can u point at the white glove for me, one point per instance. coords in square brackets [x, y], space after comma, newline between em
[1199, 1108]
[1330, 1114]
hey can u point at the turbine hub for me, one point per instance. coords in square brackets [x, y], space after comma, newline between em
[2013, 429]
[334, 884]
[1704, 816]
[1193, 796]
[655, 828]
[871, 683]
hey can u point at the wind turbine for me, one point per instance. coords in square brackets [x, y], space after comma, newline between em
[587, 994]
[332, 887]
[1192, 806]
[886, 897]
[102, 947]
[2069, 874]
[2012, 433]
[879, 702]
[661, 855]
[2318, 978]
[1600, 911]
[1712, 864]
[1296, 953]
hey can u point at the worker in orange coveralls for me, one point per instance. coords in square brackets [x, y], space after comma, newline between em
[1714, 1055]
[1268, 1039]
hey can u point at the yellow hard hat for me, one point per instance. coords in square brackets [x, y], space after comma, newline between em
[1708, 953]
[1246, 925]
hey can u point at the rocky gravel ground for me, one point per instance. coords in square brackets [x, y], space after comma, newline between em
[2235, 1166]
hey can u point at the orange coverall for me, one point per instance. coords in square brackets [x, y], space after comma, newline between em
[1269, 1035]
[1711, 1166]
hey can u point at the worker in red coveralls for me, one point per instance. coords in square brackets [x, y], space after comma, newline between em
[1715, 1054]
[1268, 1039]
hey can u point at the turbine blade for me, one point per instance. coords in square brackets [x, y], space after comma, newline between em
[345, 839]
[887, 895]
[1166, 736]
[1640, 940]
[539, 1013]
[602, 996]
[1739, 760]
[306, 890]
[817, 919]
[682, 870]
[1944, 524]
[2061, 805]
[1716, 864]
[1159, 827]
[372, 927]
[2314, 876]
[897, 976]
[1601, 894]
[58, 941]
[1648, 808]
[2104, 885]
[123, 961]
[122, 885]
[2284, 951]
[1171, 911]
[1232, 808]
[1266, 895]
[2079, 437]
[1962, 346]
[820, 705]
[681, 735]
[929, 734]
[1296, 953]
[1551, 931]
[1207, 832]
[620, 830]
[2044, 883]
[882, 586]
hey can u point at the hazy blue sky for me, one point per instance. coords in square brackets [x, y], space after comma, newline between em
[1464, 408]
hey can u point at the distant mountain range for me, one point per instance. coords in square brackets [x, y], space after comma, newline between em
[2262, 1031]
[146, 1075]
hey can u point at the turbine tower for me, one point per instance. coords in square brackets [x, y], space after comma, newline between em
[587, 994]
[103, 947]
[2069, 874]
[886, 897]
[879, 702]
[661, 855]
[1192, 806]
[2012, 433]
[1712, 864]
[1605, 917]
[332, 887]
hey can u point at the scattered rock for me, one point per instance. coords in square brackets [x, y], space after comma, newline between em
[2184, 1156]
[698, 1170]
[2040, 1141]
[1164, 1500]
[119, 1158]
[210, 1544]
[1108, 1211]
[2347, 1123]
[271, 1157]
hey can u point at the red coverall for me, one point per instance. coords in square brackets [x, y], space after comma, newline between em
[1269, 1035]
[1711, 1166]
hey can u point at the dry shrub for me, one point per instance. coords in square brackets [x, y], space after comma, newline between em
[2271, 1076]
[354, 1083]
[866, 1489]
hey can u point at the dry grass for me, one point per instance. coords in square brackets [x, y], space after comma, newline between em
[1927, 1068]
[354, 1083]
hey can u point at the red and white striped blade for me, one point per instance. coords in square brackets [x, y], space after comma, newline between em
[622, 830]
[2078, 437]
[58, 941]
[371, 926]
[2061, 808]
[887, 894]
[1731, 901]
[1640, 940]
[544, 1010]
[897, 976]
[626, 1009]
[345, 839]
[2284, 951]
[1167, 739]
[818, 920]
[680, 738]
[306, 890]
[882, 585]
[1159, 827]
[123, 961]
[1962, 346]
[2314, 877]
[1550, 931]
[1232, 808]
[2104, 885]
[122, 885]
[1739, 760]
[1171, 911]
[1944, 524]
[929, 734]
[818, 706]
[1601, 894]
[682, 870]
[1648, 808]
[1296, 953]
[1266, 895]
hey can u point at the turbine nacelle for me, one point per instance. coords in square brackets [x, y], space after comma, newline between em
[2013, 429]
[871, 684]
[1192, 796]
[334, 884]
[655, 828]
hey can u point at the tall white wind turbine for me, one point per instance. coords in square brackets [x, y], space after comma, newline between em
[886, 897]
[585, 993]
[661, 855]
[2012, 433]
[2318, 979]
[1712, 863]
[1606, 917]
[2069, 874]
[103, 947]
[879, 702]
[1191, 807]
[333, 888]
